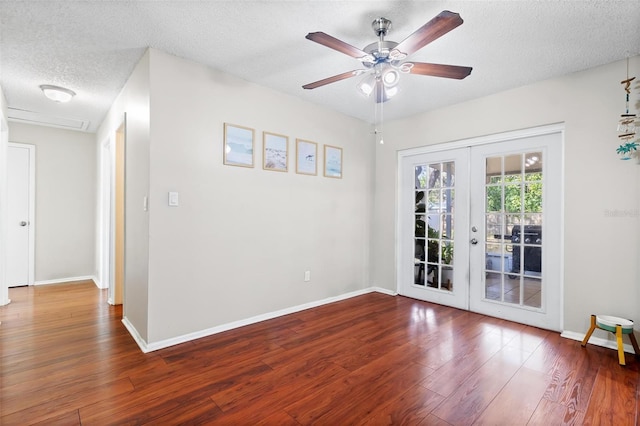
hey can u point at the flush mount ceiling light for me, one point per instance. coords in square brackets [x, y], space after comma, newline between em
[56, 93]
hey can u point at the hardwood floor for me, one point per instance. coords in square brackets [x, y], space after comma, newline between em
[66, 359]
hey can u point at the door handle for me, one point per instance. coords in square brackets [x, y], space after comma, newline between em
[474, 241]
[23, 223]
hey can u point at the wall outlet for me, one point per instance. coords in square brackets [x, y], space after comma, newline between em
[307, 276]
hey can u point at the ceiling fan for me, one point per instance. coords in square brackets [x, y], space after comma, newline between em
[383, 60]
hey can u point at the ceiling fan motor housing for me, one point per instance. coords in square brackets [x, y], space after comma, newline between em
[379, 50]
[381, 26]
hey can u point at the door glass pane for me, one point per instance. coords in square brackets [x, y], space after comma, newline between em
[494, 228]
[494, 170]
[533, 197]
[513, 166]
[532, 292]
[448, 174]
[434, 179]
[513, 229]
[493, 286]
[512, 200]
[493, 198]
[533, 166]
[433, 200]
[446, 229]
[493, 257]
[421, 173]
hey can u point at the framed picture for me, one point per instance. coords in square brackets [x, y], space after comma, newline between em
[275, 154]
[238, 145]
[306, 157]
[332, 161]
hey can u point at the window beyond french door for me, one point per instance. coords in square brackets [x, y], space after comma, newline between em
[481, 228]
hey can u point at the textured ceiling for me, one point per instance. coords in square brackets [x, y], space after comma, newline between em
[91, 47]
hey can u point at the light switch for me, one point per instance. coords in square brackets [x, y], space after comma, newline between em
[173, 199]
[145, 203]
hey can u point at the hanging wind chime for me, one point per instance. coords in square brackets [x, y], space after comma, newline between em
[627, 124]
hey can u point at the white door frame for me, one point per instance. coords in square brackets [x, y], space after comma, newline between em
[105, 218]
[476, 141]
[4, 142]
[107, 225]
[32, 209]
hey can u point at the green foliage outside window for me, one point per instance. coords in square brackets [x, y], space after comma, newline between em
[513, 187]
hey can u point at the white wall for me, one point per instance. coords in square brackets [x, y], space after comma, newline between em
[241, 239]
[65, 200]
[601, 252]
[4, 138]
[134, 101]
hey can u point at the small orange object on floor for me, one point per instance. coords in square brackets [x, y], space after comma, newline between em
[618, 326]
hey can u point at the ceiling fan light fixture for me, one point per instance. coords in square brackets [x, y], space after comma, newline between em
[57, 93]
[390, 77]
[367, 85]
[391, 91]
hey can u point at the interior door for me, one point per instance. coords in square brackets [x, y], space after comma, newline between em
[515, 269]
[481, 228]
[434, 254]
[20, 163]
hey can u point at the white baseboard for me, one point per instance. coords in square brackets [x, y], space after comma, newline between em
[98, 283]
[136, 336]
[149, 347]
[598, 341]
[67, 280]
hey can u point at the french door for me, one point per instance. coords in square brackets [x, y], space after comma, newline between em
[435, 205]
[481, 228]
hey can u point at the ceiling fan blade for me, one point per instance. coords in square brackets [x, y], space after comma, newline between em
[339, 45]
[439, 70]
[432, 30]
[333, 79]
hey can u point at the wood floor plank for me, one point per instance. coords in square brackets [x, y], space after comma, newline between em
[474, 394]
[524, 390]
[432, 420]
[283, 385]
[40, 407]
[250, 403]
[197, 412]
[614, 394]
[409, 408]
[365, 389]
[561, 414]
[477, 351]
[66, 358]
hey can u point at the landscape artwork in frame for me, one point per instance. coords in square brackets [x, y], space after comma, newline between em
[275, 154]
[238, 145]
[332, 161]
[306, 157]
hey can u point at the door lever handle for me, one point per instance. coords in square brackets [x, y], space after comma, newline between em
[23, 223]
[474, 241]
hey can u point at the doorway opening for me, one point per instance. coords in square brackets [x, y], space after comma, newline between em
[112, 241]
